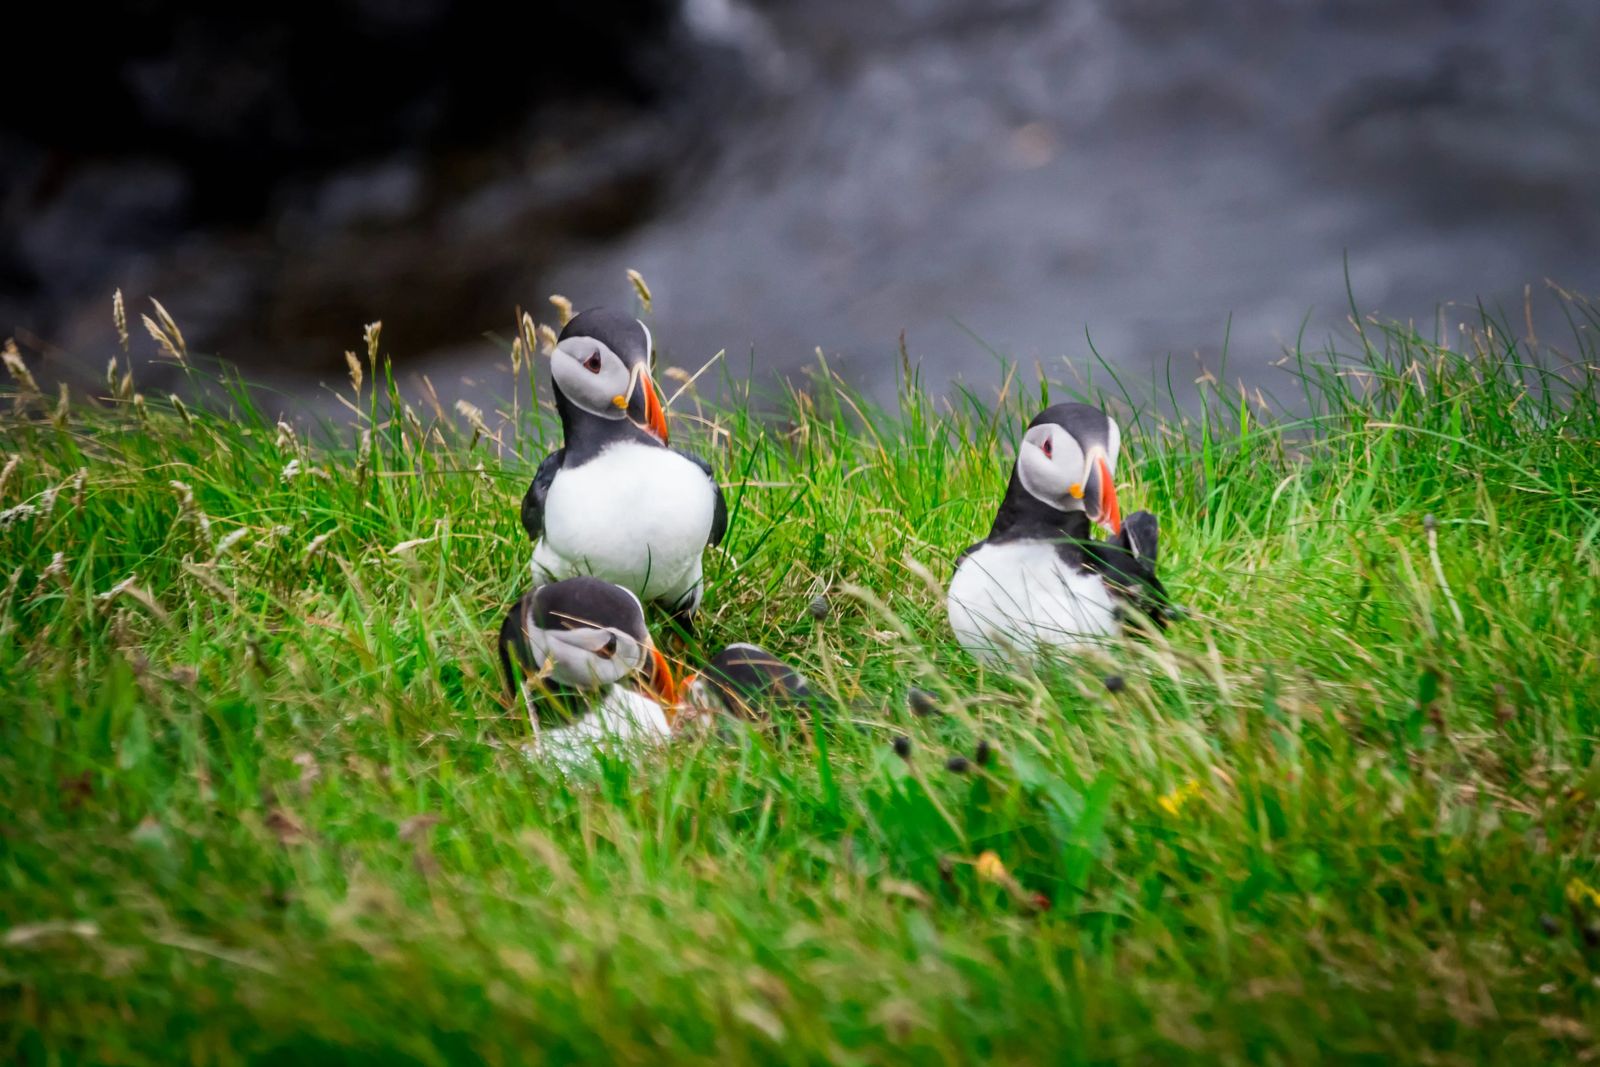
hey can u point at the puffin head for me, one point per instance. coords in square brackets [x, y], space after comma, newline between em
[601, 364]
[1068, 459]
[588, 633]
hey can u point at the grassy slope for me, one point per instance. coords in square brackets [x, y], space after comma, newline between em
[268, 802]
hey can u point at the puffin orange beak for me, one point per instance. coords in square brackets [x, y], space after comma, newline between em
[1109, 515]
[654, 416]
[661, 684]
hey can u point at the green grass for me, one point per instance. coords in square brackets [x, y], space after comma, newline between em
[262, 803]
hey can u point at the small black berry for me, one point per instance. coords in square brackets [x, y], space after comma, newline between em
[957, 764]
[983, 753]
[902, 746]
[1115, 684]
[923, 703]
[819, 607]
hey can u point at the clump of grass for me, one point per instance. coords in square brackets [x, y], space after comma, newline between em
[264, 799]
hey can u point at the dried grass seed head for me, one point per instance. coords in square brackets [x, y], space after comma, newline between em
[563, 308]
[18, 369]
[640, 288]
[119, 316]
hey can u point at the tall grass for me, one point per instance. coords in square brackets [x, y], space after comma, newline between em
[264, 799]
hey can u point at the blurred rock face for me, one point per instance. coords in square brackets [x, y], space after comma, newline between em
[790, 174]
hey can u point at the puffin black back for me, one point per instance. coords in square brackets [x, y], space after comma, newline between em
[750, 679]
[1129, 570]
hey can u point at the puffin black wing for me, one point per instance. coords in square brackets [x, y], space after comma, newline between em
[513, 643]
[533, 502]
[1128, 564]
[719, 520]
[1140, 535]
[751, 680]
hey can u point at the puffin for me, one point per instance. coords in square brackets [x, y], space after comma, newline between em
[745, 681]
[1039, 581]
[588, 671]
[616, 501]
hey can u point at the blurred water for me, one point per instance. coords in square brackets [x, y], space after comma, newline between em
[1014, 174]
[1027, 172]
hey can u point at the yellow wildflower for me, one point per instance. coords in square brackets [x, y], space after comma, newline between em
[990, 867]
[1579, 891]
[1172, 803]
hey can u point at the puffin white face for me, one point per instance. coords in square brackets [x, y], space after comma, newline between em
[593, 377]
[1055, 468]
[587, 658]
[1051, 466]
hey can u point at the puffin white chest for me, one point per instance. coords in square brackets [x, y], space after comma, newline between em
[623, 721]
[1018, 596]
[635, 515]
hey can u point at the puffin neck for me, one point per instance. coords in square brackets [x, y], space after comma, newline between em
[1023, 515]
[585, 435]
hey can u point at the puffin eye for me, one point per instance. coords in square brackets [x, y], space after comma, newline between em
[1047, 449]
[609, 649]
[592, 364]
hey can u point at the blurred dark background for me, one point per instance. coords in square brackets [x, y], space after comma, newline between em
[788, 174]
